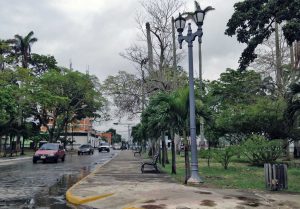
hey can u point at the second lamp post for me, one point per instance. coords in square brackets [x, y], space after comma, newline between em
[189, 38]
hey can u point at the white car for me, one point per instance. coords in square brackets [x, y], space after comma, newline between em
[104, 147]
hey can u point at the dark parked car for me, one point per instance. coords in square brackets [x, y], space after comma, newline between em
[104, 147]
[49, 152]
[85, 149]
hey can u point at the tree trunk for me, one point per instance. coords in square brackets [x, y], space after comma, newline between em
[5, 143]
[18, 142]
[159, 152]
[11, 144]
[186, 157]
[209, 156]
[278, 61]
[173, 152]
[23, 145]
[292, 59]
[166, 152]
[163, 144]
[50, 135]
[0, 144]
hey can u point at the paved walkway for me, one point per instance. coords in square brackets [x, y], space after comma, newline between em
[119, 184]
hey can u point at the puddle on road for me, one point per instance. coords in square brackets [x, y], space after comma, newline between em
[52, 197]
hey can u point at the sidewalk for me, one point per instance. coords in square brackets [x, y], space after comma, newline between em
[8, 160]
[119, 184]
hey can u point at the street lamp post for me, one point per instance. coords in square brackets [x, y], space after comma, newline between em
[190, 15]
[198, 16]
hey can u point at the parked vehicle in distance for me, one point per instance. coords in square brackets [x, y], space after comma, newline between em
[104, 147]
[50, 152]
[116, 146]
[85, 149]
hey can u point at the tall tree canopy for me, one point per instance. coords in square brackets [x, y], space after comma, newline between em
[23, 46]
[253, 21]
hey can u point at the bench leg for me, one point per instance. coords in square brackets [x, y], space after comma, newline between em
[142, 168]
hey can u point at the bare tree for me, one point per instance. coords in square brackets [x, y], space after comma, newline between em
[272, 60]
[156, 72]
[158, 14]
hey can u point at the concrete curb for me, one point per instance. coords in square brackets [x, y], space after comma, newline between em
[14, 159]
[81, 200]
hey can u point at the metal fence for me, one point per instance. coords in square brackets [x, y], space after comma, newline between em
[276, 176]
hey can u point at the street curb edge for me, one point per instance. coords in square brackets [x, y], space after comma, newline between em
[81, 200]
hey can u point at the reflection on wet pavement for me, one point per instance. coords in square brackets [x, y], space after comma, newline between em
[24, 185]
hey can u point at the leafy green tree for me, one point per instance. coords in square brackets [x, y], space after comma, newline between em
[6, 53]
[139, 134]
[116, 138]
[264, 116]
[253, 21]
[42, 63]
[62, 96]
[242, 105]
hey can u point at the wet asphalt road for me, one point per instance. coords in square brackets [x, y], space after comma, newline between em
[26, 185]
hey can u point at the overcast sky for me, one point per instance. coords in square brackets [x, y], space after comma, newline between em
[92, 33]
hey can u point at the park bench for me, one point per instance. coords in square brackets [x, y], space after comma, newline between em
[152, 163]
[137, 152]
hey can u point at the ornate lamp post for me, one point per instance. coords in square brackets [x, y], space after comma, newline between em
[198, 16]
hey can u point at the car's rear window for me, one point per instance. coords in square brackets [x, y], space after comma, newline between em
[104, 144]
[85, 146]
[49, 147]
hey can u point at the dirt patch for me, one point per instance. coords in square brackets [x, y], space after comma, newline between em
[203, 192]
[161, 206]
[289, 204]
[150, 201]
[249, 201]
[209, 203]
[239, 207]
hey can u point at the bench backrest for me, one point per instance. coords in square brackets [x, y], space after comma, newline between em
[155, 158]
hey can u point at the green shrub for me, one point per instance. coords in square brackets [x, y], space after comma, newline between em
[259, 150]
[225, 155]
[206, 154]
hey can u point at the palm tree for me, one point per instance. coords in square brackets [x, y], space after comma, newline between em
[23, 45]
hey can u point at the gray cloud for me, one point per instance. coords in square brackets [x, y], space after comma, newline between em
[93, 33]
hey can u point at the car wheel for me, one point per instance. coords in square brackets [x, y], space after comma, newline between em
[89, 152]
[63, 158]
[108, 150]
[34, 161]
[78, 153]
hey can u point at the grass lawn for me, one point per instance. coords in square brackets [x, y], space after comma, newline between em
[239, 175]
